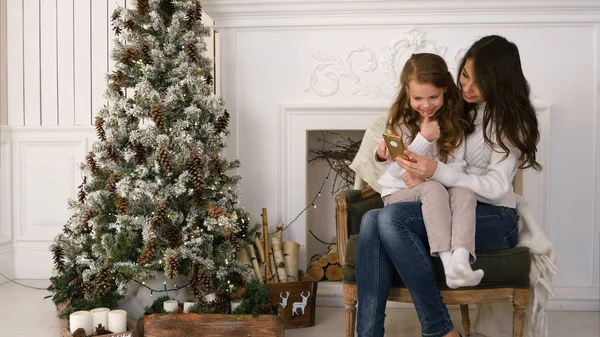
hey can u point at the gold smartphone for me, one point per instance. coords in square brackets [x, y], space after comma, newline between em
[395, 145]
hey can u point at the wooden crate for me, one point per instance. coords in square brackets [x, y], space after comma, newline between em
[210, 325]
[298, 300]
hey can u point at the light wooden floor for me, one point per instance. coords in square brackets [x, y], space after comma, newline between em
[25, 313]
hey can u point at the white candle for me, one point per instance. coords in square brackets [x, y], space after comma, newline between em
[99, 316]
[170, 305]
[188, 305]
[81, 319]
[234, 304]
[117, 321]
[210, 297]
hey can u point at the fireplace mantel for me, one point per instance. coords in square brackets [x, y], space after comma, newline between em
[295, 13]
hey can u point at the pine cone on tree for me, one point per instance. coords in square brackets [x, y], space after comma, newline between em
[239, 295]
[222, 123]
[145, 53]
[143, 7]
[192, 51]
[88, 288]
[122, 205]
[129, 24]
[167, 8]
[222, 301]
[140, 154]
[103, 279]
[89, 215]
[208, 79]
[158, 117]
[111, 151]
[148, 252]
[164, 158]
[172, 266]
[190, 17]
[160, 215]
[215, 212]
[58, 256]
[199, 197]
[215, 162]
[132, 120]
[81, 194]
[204, 281]
[128, 56]
[236, 279]
[111, 183]
[174, 238]
[91, 163]
[195, 167]
[116, 88]
[99, 123]
[232, 239]
[194, 285]
[198, 9]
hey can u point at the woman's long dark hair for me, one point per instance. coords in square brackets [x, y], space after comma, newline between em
[499, 76]
[432, 69]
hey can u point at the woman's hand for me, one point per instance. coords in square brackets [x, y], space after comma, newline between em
[411, 180]
[383, 153]
[419, 166]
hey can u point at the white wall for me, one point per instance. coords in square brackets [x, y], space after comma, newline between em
[283, 61]
[58, 56]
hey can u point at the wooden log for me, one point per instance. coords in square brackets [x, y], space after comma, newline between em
[334, 272]
[242, 256]
[323, 261]
[272, 264]
[260, 248]
[280, 264]
[315, 270]
[279, 230]
[332, 254]
[291, 252]
[266, 243]
[254, 262]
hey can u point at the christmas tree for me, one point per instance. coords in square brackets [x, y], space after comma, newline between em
[157, 196]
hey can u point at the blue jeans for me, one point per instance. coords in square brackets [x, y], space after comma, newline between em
[393, 239]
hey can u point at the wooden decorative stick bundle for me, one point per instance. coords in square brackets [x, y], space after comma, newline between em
[260, 248]
[266, 243]
[278, 253]
[242, 256]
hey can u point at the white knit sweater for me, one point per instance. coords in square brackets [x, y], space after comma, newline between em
[488, 173]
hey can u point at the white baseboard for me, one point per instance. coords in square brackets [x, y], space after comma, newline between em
[33, 260]
[329, 294]
[7, 262]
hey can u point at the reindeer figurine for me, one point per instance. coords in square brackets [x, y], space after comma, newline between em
[300, 305]
[285, 299]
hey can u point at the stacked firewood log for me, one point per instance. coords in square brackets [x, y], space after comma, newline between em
[326, 266]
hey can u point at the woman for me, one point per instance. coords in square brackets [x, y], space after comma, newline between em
[502, 136]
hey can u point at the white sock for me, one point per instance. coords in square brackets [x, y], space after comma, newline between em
[460, 263]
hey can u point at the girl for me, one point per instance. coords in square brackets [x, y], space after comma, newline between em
[502, 135]
[427, 99]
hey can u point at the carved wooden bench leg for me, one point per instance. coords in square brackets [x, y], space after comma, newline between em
[350, 317]
[520, 301]
[466, 322]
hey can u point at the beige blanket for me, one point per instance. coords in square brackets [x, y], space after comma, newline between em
[492, 319]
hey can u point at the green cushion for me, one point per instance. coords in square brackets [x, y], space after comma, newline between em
[504, 268]
[358, 206]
